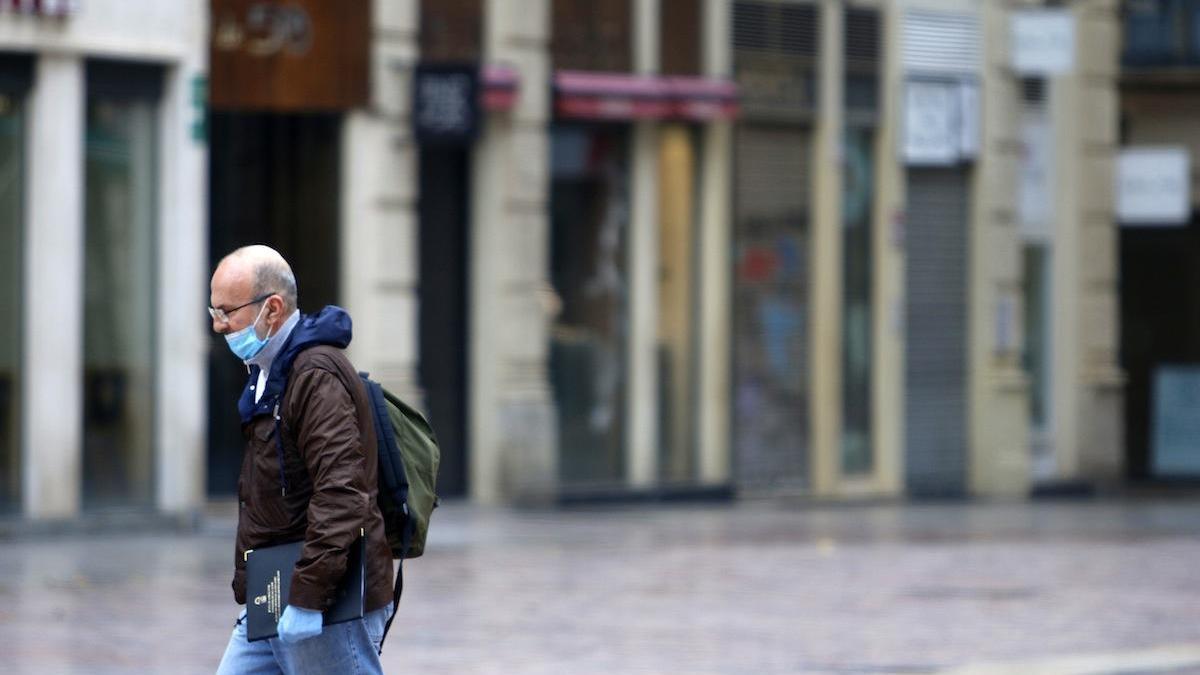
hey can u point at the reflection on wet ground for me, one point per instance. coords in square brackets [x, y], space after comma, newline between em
[755, 587]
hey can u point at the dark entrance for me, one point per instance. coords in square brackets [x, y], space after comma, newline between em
[444, 213]
[274, 180]
[1160, 324]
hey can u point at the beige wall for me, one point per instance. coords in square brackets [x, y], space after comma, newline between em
[174, 35]
[379, 208]
[513, 428]
[999, 436]
[1089, 391]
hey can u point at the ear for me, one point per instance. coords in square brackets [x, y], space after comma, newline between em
[274, 308]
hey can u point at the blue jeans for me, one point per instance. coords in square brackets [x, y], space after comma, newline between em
[350, 647]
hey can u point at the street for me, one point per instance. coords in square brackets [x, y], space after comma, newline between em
[749, 587]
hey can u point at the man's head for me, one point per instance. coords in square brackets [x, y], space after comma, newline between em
[252, 285]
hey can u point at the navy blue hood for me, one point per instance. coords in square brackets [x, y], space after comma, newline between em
[331, 326]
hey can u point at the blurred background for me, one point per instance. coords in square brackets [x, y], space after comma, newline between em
[649, 252]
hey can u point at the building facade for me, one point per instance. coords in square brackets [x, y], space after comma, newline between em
[1160, 94]
[101, 399]
[627, 249]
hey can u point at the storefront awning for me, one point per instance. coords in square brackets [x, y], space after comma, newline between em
[619, 96]
[500, 86]
[57, 8]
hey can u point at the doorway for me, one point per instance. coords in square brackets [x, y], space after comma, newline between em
[1160, 331]
[274, 180]
[444, 213]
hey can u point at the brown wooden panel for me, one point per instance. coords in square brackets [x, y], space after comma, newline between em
[592, 35]
[680, 28]
[289, 55]
[451, 30]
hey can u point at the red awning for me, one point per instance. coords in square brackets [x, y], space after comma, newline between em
[40, 7]
[499, 86]
[619, 96]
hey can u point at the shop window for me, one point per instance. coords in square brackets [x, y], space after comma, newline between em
[862, 47]
[119, 291]
[857, 306]
[1161, 33]
[451, 30]
[680, 37]
[771, 241]
[14, 80]
[862, 50]
[775, 48]
[590, 35]
[590, 203]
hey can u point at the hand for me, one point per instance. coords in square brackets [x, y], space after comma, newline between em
[298, 624]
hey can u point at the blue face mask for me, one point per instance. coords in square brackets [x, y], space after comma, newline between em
[245, 343]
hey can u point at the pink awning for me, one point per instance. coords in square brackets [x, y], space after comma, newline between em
[58, 8]
[499, 86]
[619, 96]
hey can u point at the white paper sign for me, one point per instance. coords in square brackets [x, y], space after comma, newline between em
[1035, 177]
[1043, 42]
[932, 134]
[1153, 186]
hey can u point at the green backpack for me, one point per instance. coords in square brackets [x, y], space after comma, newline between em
[408, 465]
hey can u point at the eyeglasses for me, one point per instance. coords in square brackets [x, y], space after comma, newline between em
[222, 315]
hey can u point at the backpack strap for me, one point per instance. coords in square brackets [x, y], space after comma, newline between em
[406, 538]
[384, 435]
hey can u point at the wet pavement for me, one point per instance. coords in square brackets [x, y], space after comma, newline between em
[752, 587]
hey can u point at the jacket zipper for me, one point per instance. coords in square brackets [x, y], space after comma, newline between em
[279, 443]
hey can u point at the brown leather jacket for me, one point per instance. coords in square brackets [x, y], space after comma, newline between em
[329, 469]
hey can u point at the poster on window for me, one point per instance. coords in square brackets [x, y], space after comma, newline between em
[930, 123]
[1153, 186]
[1043, 42]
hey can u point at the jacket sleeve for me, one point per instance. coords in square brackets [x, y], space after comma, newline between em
[327, 436]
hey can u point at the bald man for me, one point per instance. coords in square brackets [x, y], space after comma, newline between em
[309, 469]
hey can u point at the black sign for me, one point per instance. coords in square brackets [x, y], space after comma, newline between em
[446, 104]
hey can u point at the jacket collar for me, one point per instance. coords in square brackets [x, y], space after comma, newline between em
[331, 326]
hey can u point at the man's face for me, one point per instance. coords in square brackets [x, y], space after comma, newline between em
[233, 285]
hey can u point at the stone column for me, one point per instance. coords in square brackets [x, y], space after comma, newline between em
[1089, 386]
[513, 425]
[888, 282]
[716, 215]
[998, 389]
[825, 313]
[379, 263]
[182, 379]
[52, 410]
[641, 405]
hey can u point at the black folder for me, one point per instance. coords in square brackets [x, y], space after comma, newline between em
[269, 579]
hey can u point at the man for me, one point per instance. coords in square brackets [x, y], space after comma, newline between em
[309, 468]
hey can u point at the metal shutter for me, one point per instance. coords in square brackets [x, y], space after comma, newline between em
[771, 307]
[941, 43]
[936, 333]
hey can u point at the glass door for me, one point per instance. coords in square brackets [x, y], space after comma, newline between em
[857, 197]
[589, 202]
[11, 187]
[119, 297]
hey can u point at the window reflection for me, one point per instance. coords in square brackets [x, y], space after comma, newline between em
[11, 185]
[858, 196]
[118, 301]
[589, 224]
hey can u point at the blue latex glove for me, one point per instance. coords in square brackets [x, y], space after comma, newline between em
[298, 624]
